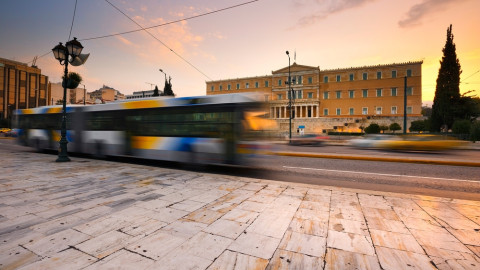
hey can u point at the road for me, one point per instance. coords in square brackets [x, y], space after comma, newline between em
[461, 182]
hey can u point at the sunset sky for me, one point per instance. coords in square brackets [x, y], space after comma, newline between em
[249, 40]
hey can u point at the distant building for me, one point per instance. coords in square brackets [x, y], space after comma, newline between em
[106, 94]
[344, 99]
[21, 87]
[142, 94]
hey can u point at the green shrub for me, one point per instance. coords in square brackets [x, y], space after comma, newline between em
[475, 131]
[373, 128]
[461, 126]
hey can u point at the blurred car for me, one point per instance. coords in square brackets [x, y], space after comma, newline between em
[422, 143]
[11, 133]
[369, 141]
[4, 130]
[308, 139]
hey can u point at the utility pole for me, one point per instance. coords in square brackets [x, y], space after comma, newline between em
[405, 106]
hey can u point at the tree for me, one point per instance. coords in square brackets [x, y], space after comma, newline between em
[461, 126]
[383, 128]
[447, 92]
[373, 128]
[155, 92]
[167, 90]
[394, 127]
[426, 111]
[475, 131]
[59, 102]
[72, 81]
[420, 125]
[468, 106]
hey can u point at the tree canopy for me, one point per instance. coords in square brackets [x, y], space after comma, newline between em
[167, 90]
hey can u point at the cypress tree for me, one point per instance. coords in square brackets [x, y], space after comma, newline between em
[447, 92]
[167, 90]
[155, 92]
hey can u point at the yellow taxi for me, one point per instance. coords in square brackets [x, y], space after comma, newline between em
[423, 142]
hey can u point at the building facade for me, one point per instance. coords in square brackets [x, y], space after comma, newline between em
[107, 94]
[343, 99]
[21, 87]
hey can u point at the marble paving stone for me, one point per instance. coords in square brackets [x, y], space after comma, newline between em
[203, 245]
[475, 250]
[122, 259]
[16, 257]
[253, 206]
[68, 259]
[295, 192]
[188, 205]
[142, 226]
[285, 260]
[154, 205]
[340, 259]
[96, 211]
[399, 259]
[459, 224]
[204, 216]
[256, 245]
[315, 215]
[468, 237]
[180, 262]
[463, 264]
[221, 207]
[348, 226]
[54, 243]
[272, 224]
[240, 215]
[403, 213]
[265, 199]
[157, 245]
[423, 225]
[311, 227]
[57, 225]
[186, 228]
[350, 242]
[449, 254]
[169, 215]
[237, 196]
[304, 243]
[380, 213]
[403, 203]
[444, 240]
[102, 225]
[446, 213]
[394, 240]
[209, 196]
[254, 186]
[319, 192]
[347, 213]
[236, 261]
[226, 228]
[386, 225]
[318, 206]
[106, 244]
[373, 201]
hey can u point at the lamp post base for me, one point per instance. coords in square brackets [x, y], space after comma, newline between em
[62, 159]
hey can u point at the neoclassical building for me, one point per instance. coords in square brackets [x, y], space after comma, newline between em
[343, 99]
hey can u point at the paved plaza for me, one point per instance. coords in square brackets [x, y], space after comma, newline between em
[92, 214]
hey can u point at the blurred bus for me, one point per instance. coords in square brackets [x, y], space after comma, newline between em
[217, 129]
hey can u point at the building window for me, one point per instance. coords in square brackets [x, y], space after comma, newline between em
[351, 93]
[299, 79]
[365, 93]
[351, 111]
[266, 83]
[220, 88]
[325, 79]
[394, 74]
[247, 85]
[279, 82]
[351, 76]
[338, 78]
[325, 112]
[238, 86]
[378, 110]
[310, 95]
[212, 88]
[379, 92]
[256, 84]
[365, 76]
[279, 96]
[364, 110]
[394, 109]
[339, 111]
[299, 94]
[409, 110]
[310, 80]
[409, 73]
[325, 95]
[338, 94]
[229, 87]
[379, 75]
[394, 91]
[409, 91]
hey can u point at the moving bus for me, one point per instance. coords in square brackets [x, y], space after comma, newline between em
[217, 129]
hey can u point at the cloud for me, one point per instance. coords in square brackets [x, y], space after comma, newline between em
[324, 8]
[124, 40]
[417, 12]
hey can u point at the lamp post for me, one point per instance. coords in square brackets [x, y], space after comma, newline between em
[161, 70]
[289, 102]
[65, 54]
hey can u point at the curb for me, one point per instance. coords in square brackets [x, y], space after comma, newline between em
[403, 160]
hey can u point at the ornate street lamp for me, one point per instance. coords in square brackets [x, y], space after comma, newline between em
[289, 102]
[161, 70]
[65, 54]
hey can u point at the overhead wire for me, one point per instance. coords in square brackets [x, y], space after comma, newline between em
[73, 19]
[161, 42]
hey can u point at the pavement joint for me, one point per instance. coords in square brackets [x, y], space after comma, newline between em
[102, 214]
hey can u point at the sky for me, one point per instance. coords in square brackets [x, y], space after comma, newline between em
[245, 41]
